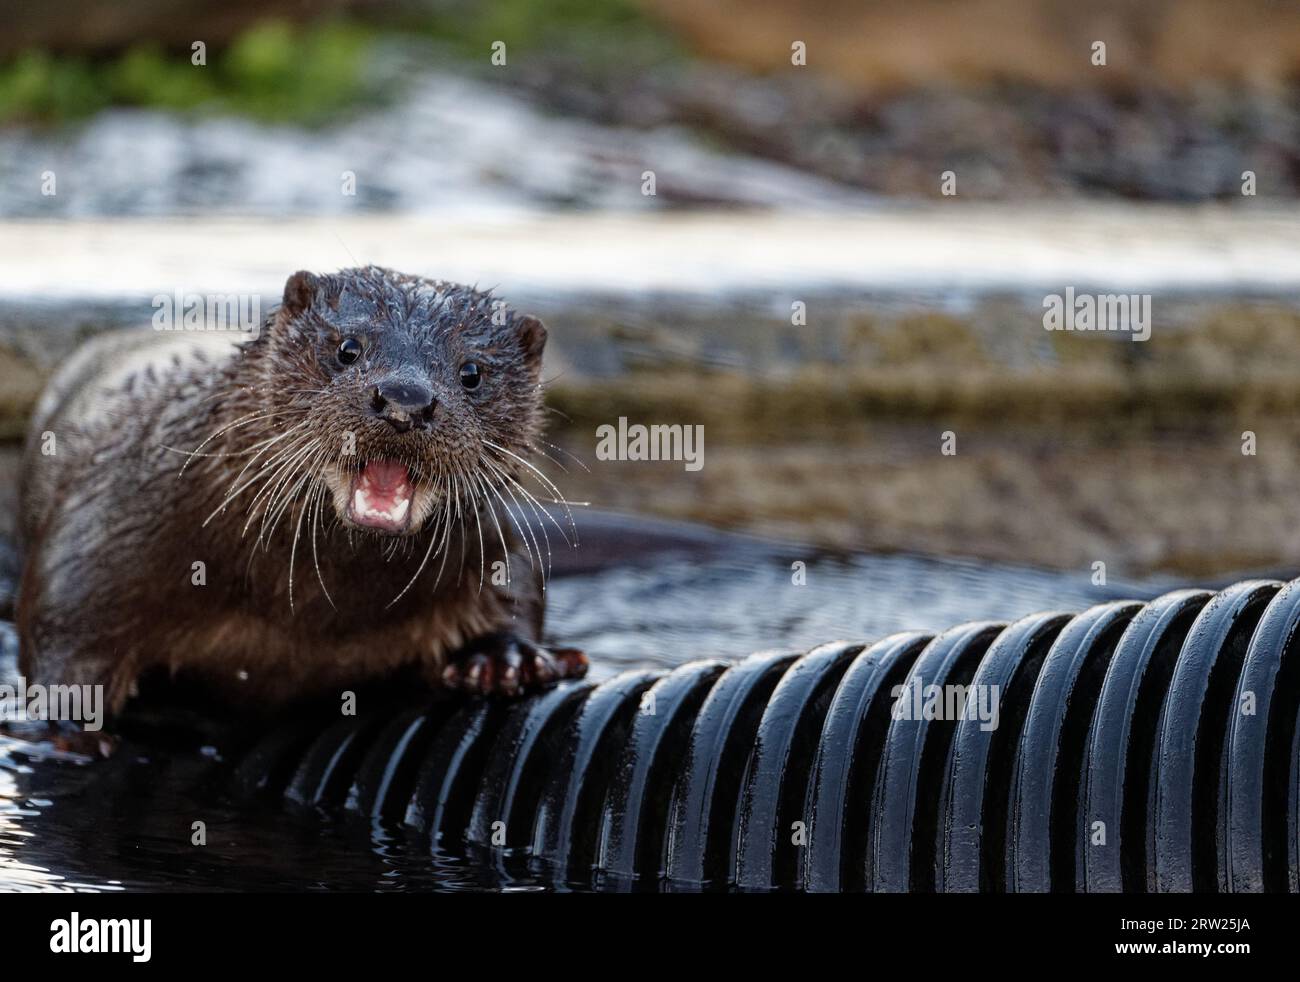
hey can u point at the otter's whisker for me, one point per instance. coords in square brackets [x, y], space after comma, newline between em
[266, 445]
[572, 456]
[261, 475]
[446, 531]
[277, 471]
[304, 471]
[272, 483]
[460, 526]
[528, 526]
[293, 548]
[317, 501]
[536, 505]
[545, 481]
[492, 512]
[257, 418]
[538, 509]
[433, 537]
[241, 422]
[462, 521]
[533, 560]
[482, 553]
[507, 481]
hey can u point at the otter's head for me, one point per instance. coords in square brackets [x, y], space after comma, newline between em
[410, 396]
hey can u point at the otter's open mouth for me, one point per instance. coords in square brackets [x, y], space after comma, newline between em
[381, 496]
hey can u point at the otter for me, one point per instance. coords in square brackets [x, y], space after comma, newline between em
[347, 494]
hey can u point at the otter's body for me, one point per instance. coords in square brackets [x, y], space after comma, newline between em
[297, 513]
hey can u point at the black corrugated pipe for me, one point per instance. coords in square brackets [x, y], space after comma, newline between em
[1136, 747]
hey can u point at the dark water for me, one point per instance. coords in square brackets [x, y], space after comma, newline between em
[67, 823]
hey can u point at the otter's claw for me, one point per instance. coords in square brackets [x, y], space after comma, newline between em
[504, 665]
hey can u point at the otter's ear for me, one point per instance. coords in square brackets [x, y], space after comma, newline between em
[299, 291]
[532, 338]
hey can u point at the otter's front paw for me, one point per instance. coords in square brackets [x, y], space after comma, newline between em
[505, 665]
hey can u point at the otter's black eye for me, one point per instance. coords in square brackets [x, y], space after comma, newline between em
[349, 351]
[470, 376]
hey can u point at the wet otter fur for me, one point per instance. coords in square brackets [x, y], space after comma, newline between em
[343, 496]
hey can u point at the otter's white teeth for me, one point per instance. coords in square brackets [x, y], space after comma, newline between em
[381, 496]
[395, 514]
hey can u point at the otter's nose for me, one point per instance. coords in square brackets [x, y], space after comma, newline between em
[404, 404]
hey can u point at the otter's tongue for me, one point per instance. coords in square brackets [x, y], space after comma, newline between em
[381, 496]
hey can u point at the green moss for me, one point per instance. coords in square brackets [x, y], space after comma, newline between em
[36, 85]
[147, 76]
[277, 71]
[272, 71]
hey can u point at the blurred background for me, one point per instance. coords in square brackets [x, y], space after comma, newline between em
[799, 282]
